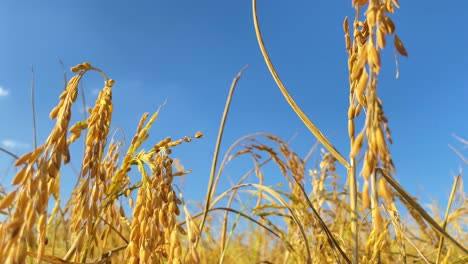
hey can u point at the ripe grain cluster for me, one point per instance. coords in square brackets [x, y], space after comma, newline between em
[312, 215]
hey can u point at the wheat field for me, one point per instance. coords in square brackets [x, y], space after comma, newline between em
[314, 215]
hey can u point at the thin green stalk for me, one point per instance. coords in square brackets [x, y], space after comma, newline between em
[444, 225]
[33, 109]
[210, 191]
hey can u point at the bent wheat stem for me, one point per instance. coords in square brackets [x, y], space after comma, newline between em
[315, 131]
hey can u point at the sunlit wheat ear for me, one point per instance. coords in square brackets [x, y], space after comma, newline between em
[153, 217]
[41, 169]
[155, 233]
[97, 169]
[88, 194]
[364, 64]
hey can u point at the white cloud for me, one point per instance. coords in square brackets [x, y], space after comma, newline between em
[12, 144]
[3, 91]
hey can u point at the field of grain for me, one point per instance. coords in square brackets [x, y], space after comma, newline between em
[315, 215]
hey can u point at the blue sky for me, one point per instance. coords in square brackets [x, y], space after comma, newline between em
[187, 52]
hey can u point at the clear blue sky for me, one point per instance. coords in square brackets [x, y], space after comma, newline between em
[187, 52]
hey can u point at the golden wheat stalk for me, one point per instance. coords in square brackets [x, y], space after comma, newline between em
[210, 189]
